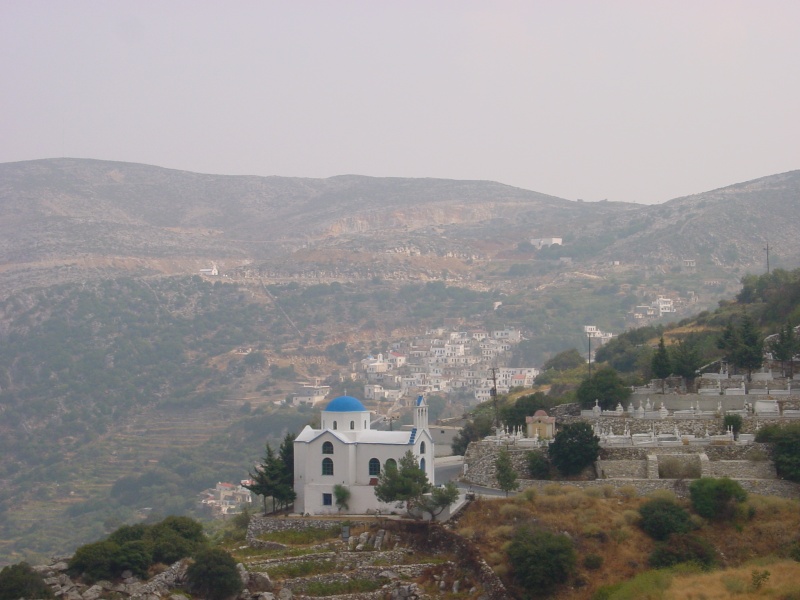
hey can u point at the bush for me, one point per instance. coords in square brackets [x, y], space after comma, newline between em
[540, 559]
[716, 499]
[94, 561]
[683, 548]
[574, 448]
[21, 581]
[213, 575]
[734, 421]
[662, 518]
[538, 465]
[786, 448]
[137, 547]
[676, 468]
[593, 561]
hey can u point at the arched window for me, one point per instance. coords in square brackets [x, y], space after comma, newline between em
[327, 466]
[334, 424]
[374, 467]
[421, 464]
[352, 425]
[327, 448]
[422, 448]
[391, 464]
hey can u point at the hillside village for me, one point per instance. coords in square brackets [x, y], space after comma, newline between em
[439, 362]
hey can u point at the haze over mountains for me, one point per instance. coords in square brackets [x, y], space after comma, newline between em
[66, 219]
[122, 384]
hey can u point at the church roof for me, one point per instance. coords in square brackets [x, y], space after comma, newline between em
[369, 436]
[345, 404]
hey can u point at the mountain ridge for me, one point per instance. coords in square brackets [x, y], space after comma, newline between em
[61, 218]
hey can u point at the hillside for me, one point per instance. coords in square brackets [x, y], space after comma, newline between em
[73, 219]
[121, 368]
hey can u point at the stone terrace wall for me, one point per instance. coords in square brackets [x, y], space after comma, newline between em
[622, 469]
[739, 469]
[713, 451]
[481, 456]
[764, 487]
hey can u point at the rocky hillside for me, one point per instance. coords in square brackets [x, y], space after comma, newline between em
[69, 219]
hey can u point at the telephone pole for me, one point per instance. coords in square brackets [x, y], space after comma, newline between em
[493, 394]
[767, 249]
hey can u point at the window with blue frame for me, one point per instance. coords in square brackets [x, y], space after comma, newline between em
[374, 467]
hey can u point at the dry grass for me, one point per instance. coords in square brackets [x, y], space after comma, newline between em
[783, 582]
[608, 527]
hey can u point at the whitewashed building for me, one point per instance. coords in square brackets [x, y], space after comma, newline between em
[346, 451]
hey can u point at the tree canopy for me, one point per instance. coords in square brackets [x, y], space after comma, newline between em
[661, 363]
[504, 472]
[405, 482]
[213, 575]
[273, 479]
[439, 499]
[606, 386]
[21, 581]
[540, 559]
[563, 361]
[574, 448]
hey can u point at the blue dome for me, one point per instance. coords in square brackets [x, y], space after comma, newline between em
[345, 404]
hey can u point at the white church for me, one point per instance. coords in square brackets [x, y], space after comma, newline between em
[347, 452]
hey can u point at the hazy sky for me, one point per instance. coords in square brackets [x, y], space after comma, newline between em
[640, 100]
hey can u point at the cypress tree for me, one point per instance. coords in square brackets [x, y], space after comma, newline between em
[661, 363]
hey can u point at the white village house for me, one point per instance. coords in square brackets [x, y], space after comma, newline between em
[347, 452]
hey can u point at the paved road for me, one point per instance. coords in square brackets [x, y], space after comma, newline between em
[451, 471]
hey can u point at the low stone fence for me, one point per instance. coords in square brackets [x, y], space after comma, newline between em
[643, 487]
[259, 525]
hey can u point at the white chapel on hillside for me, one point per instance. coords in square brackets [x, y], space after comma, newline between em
[347, 452]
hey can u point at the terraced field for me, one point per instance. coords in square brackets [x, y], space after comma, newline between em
[380, 559]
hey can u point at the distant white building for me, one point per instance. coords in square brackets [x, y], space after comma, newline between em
[310, 394]
[347, 452]
[540, 243]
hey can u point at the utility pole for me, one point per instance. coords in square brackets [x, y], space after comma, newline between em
[767, 249]
[589, 335]
[493, 394]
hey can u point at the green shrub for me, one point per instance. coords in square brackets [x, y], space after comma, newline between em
[758, 579]
[683, 548]
[716, 499]
[574, 448]
[21, 581]
[786, 448]
[662, 518]
[593, 561]
[734, 421]
[137, 547]
[135, 556]
[94, 561]
[540, 560]
[538, 465]
[213, 575]
[794, 551]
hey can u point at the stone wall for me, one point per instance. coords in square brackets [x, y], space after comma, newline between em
[751, 464]
[739, 469]
[643, 487]
[714, 452]
[622, 469]
[481, 456]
